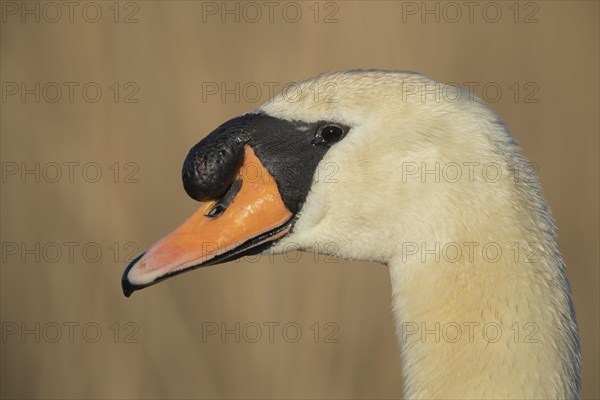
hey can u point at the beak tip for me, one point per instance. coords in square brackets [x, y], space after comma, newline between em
[128, 289]
[126, 285]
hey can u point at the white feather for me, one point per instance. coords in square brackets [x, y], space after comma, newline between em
[372, 210]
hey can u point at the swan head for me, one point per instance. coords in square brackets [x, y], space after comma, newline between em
[345, 164]
[359, 164]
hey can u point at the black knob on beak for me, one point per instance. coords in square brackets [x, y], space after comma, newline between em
[212, 164]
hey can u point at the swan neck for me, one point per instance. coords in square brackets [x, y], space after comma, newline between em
[484, 326]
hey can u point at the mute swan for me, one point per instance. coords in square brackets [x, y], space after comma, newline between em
[471, 249]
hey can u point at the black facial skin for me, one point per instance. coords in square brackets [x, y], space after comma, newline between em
[289, 150]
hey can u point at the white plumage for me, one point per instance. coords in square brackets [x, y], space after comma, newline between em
[377, 208]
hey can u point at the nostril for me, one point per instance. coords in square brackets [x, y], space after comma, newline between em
[225, 201]
[216, 211]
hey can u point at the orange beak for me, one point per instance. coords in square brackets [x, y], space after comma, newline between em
[217, 231]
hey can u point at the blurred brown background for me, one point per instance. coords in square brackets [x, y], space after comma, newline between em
[157, 65]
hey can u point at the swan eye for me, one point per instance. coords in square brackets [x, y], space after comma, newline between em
[329, 134]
